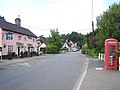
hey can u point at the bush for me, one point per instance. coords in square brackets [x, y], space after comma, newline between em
[37, 54]
[93, 52]
[52, 49]
[30, 54]
[26, 54]
[66, 49]
[22, 54]
[10, 55]
[34, 53]
[84, 49]
[118, 51]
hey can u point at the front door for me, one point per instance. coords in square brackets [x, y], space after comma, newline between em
[18, 51]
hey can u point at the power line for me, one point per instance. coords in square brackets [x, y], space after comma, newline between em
[69, 30]
[76, 30]
[37, 28]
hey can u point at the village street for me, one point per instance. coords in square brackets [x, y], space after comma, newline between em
[67, 71]
[50, 72]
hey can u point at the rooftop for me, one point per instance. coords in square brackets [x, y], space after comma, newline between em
[15, 28]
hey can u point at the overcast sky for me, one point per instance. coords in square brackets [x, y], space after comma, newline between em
[42, 15]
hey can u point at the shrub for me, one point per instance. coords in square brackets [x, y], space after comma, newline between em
[93, 52]
[37, 54]
[34, 53]
[84, 49]
[52, 49]
[65, 48]
[22, 54]
[9, 55]
[26, 54]
[118, 51]
[30, 54]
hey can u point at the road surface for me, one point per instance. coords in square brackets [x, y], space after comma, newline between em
[50, 72]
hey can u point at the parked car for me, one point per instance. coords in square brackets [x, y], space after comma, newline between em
[74, 49]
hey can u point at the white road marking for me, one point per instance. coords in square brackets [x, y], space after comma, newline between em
[80, 83]
[81, 77]
[98, 68]
[23, 64]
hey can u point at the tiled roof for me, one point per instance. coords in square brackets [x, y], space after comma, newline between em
[14, 28]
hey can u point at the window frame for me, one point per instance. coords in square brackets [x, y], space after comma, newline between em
[9, 36]
[10, 48]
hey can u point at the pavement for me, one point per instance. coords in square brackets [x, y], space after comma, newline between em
[5, 62]
[96, 78]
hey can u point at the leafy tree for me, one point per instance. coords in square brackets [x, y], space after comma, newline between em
[108, 26]
[109, 22]
[42, 39]
[74, 37]
[54, 42]
[63, 38]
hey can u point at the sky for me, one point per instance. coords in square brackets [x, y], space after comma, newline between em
[42, 15]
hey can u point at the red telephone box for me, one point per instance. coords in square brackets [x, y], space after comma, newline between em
[111, 46]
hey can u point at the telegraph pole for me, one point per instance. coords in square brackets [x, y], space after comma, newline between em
[92, 19]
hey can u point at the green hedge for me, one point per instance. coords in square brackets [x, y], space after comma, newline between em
[84, 49]
[92, 52]
[52, 49]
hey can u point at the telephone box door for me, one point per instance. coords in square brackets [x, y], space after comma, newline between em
[111, 46]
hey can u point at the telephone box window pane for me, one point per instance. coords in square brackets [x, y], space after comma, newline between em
[9, 36]
[112, 49]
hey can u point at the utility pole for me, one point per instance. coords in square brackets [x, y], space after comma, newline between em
[92, 19]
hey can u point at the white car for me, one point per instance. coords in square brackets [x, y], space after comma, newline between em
[74, 49]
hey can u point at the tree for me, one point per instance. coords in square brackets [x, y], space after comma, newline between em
[54, 42]
[74, 37]
[42, 39]
[108, 26]
[109, 23]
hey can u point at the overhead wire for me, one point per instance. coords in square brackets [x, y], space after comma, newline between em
[42, 29]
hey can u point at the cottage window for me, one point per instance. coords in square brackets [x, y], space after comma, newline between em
[9, 36]
[25, 38]
[10, 48]
[33, 39]
[19, 37]
[29, 37]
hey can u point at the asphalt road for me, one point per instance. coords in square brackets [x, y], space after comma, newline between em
[52, 72]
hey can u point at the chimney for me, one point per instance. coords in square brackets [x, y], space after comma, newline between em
[18, 21]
